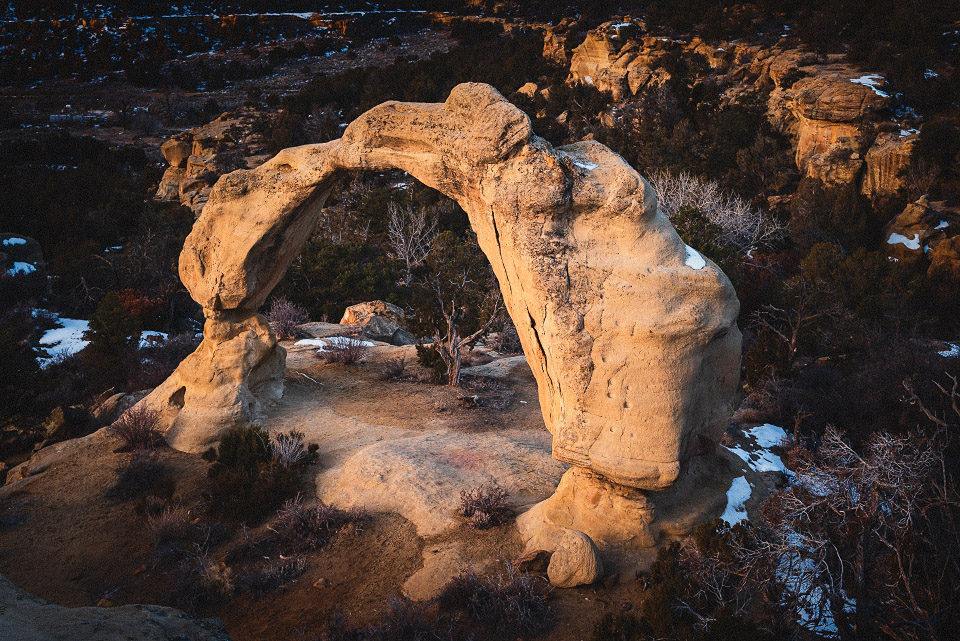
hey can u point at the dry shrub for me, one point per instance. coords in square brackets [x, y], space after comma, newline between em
[392, 369]
[284, 316]
[200, 581]
[511, 605]
[350, 350]
[138, 428]
[272, 576]
[173, 532]
[300, 528]
[485, 505]
[288, 448]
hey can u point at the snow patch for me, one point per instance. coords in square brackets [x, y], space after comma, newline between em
[589, 166]
[900, 239]
[65, 340]
[20, 267]
[873, 81]
[953, 352]
[737, 495]
[694, 260]
[943, 224]
[324, 344]
[14, 241]
[930, 74]
[147, 335]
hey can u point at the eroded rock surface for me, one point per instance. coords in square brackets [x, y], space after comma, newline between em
[28, 618]
[630, 334]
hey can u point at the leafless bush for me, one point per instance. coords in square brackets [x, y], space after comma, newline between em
[284, 316]
[512, 604]
[288, 448]
[508, 340]
[272, 576]
[411, 235]
[392, 369]
[744, 226]
[138, 428]
[348, 350]
[299, 528]
[485, 505]
[172, 532]
[199, 580]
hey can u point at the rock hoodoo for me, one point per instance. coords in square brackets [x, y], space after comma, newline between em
[630, 334]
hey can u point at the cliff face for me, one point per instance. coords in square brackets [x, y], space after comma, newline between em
[837, 115]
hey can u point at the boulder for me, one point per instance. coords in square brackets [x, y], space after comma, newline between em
[176, 150]
[66, 422]
[575, 562]
[630, 334]
[379, 321]
[19, 254]
[28, 618]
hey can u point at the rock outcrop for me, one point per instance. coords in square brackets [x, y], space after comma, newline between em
[379, 321]
[836, 114]
[28, 618]
[198, 157]
[630, 334]
[917, 232]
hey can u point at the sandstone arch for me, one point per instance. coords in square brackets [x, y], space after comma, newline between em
[631, 334]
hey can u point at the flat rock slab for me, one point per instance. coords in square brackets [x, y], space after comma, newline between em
[501, 368]
[421, 477]
[28, 618]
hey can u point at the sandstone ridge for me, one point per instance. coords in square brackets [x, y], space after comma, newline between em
[631, 334]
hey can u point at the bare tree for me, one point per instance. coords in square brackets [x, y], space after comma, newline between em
[411, 234]
[744, 226]
[449, 346]
[789, 322]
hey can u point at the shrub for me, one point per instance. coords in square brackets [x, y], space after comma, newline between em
[272, 576]
[348, 350]
[429, 358]
[138, 428]
[770, 356]
[243, 448]
[300, 528]
[288, 448]
[392, 369]
[173, 532]
[284, 316]
[485, 505]
[620, 626]
[511, 605]
[200, 581]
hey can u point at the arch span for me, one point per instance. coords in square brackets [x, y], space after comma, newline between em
[631, 334]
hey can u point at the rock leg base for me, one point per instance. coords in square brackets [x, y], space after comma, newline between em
[227, 381]
[622, 517]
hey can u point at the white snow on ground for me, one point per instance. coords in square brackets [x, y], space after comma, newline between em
[21, 268]
[942, 225]
[930, 74]
[737, 495]
[14, 241]
[908, 132]
[953, 352]
[910, 243]
[694, 260]
[768, 435]
[333, 341]
[871, 80]
[65, 340]
[762, 459]
[147, 334]
[589, 166]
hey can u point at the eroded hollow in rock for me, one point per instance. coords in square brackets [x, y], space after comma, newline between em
[630, 333]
